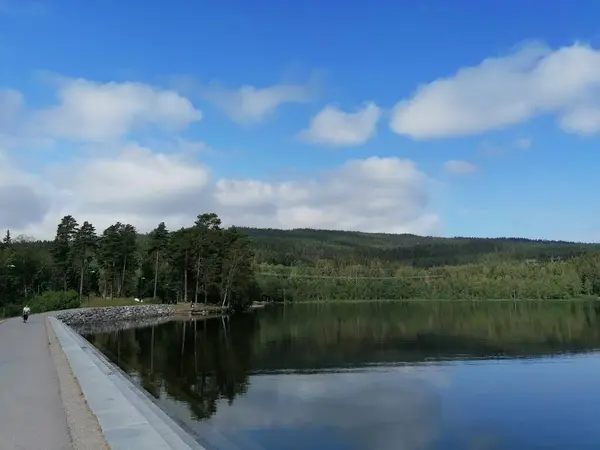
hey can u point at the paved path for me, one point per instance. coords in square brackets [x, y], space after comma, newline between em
[32, 416]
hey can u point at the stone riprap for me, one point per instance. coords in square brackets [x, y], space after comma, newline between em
[112, 314]
[110, 327]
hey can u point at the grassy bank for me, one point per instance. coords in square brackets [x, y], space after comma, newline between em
[99, 302]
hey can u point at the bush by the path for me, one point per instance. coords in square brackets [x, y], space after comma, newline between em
[54, 301]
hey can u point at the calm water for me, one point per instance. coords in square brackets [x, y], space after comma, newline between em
[393, 376]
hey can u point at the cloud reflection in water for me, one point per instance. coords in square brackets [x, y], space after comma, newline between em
[393, 409]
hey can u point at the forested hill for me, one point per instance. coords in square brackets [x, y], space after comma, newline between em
[289, 247]
[232, 266]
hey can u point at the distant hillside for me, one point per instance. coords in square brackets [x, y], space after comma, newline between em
[289, 247]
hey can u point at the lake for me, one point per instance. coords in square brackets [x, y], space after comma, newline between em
[377, 376]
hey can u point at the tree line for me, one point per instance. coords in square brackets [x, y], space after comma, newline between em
[202, 263]
[208, 263]
[307, 246]
[329, 280]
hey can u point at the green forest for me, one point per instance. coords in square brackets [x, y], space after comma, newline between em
[212, 264]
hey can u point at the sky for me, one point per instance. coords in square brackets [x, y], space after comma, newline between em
[461, 118]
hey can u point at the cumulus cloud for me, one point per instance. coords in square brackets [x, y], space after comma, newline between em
[24, 199]
[138, 178]
[334, 127]
[11, 103]
[145, 187]
[459, 167]
[250, 104]
[532, 81]
[96, 112]
[373, 194]
[114, 178]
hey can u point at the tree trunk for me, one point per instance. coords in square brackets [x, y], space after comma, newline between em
[228, 281]
[122, 281]
[81, 280]
[155, 276]
[197, 281]
[112, 281]
[225, 295]
[185, 278]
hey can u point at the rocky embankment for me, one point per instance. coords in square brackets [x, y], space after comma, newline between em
[122, 325]
[121, 316]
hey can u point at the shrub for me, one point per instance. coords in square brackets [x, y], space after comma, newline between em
[54, 301]
[10, 310]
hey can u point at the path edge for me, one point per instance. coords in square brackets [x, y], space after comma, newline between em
[127, 418]
[84, 429]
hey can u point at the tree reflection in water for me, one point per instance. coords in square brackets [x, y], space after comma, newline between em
[196, 362]
[204, 362]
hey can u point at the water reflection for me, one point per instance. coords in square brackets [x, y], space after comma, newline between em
[374, 376]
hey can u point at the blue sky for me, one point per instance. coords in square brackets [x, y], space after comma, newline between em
[505, 149]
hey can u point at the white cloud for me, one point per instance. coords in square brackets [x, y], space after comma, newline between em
[136, 176]
[145, 187]
[164, 180]
[250, 104]
[503, 91]
[96, 112]
[24, 198]
[583, 120]
[373, 194]
[11, 103]
[338, 128]
[459, 167]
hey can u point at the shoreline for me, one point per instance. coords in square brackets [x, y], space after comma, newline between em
[438, 300]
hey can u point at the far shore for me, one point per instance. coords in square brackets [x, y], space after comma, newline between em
[437, 300]
[208, 311]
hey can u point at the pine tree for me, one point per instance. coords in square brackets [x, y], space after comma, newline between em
[62, 247]
[158, 242]
[85, 247]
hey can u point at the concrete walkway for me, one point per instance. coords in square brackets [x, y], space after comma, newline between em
[58, 392]
[32, 416]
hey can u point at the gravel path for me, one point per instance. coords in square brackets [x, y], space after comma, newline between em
[41, 404]
[32, 416]
[83, 425]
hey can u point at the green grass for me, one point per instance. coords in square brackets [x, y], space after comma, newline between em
[99, 302]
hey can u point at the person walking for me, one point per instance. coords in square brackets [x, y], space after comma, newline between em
[26, 311]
